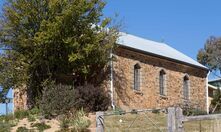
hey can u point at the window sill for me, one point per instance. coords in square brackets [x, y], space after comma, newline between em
[163, 97]
[138, 92]
[186, 100]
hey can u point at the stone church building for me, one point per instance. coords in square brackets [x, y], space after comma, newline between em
[147, 74]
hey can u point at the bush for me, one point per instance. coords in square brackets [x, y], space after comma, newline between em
[5, 127]
[6, 117]
[34, 111]
[41, 126]
[65, 123]
[80, 123]
[76, 123]
[57, 99]
[92, 98]
[62, 99]
[22, 129]
[21, 114]
[31, 118]
[193, 112]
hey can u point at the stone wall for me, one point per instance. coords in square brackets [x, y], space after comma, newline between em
[148, 96]
[20, 98]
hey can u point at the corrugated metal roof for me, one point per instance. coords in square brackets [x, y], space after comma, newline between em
[152, 47]
[215, 80]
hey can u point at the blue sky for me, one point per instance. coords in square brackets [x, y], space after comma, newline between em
[10, 105]
[183, 24]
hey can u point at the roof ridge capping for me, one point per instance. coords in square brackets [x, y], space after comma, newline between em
[155, 48]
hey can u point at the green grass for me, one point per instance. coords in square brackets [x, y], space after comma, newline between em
[21, 114]
[8, 121]
[5, 127]
[22, 129]
[41, 126]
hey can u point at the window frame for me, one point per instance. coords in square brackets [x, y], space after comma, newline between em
[162, 82]
[137, 77]
[186, 87]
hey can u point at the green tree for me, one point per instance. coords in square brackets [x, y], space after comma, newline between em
[216, 102]
[61, 40]
[210, 55]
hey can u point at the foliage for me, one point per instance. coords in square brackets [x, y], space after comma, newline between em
[22, 129]
[92, 98]
[41, 126]
[6, 122]
[6, 118]
[21, 114]
[5, 127]
[31, 118]
[34, 111]
[210, 55]
[216, 102]
[61, 99]
[30, 114]
[64, 40]
[75, 123]
[193, 112]
[64, 123]
[80, 123]
[3, 95]
[57, 99]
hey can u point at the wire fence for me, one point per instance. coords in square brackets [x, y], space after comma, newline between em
[203, 126]
[153, 120]
[156, 120]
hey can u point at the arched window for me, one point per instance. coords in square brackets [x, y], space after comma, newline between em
[162, 82]
[137, 77]
[186, 87]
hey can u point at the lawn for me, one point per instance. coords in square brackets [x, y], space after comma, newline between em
[154, 122]
[203, 126]
[141, 122]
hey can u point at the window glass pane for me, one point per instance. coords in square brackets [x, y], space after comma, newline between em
[186, 87]
[162, 82]
[136, 78]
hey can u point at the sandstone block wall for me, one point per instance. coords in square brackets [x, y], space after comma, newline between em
[20, 98]
[149, 96]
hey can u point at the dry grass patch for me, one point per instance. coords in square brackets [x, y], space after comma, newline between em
[203, 126]
[153, 122]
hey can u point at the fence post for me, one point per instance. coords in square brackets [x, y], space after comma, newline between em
[179, 119]
[99, 121]
[175, 119]
[171, 119]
